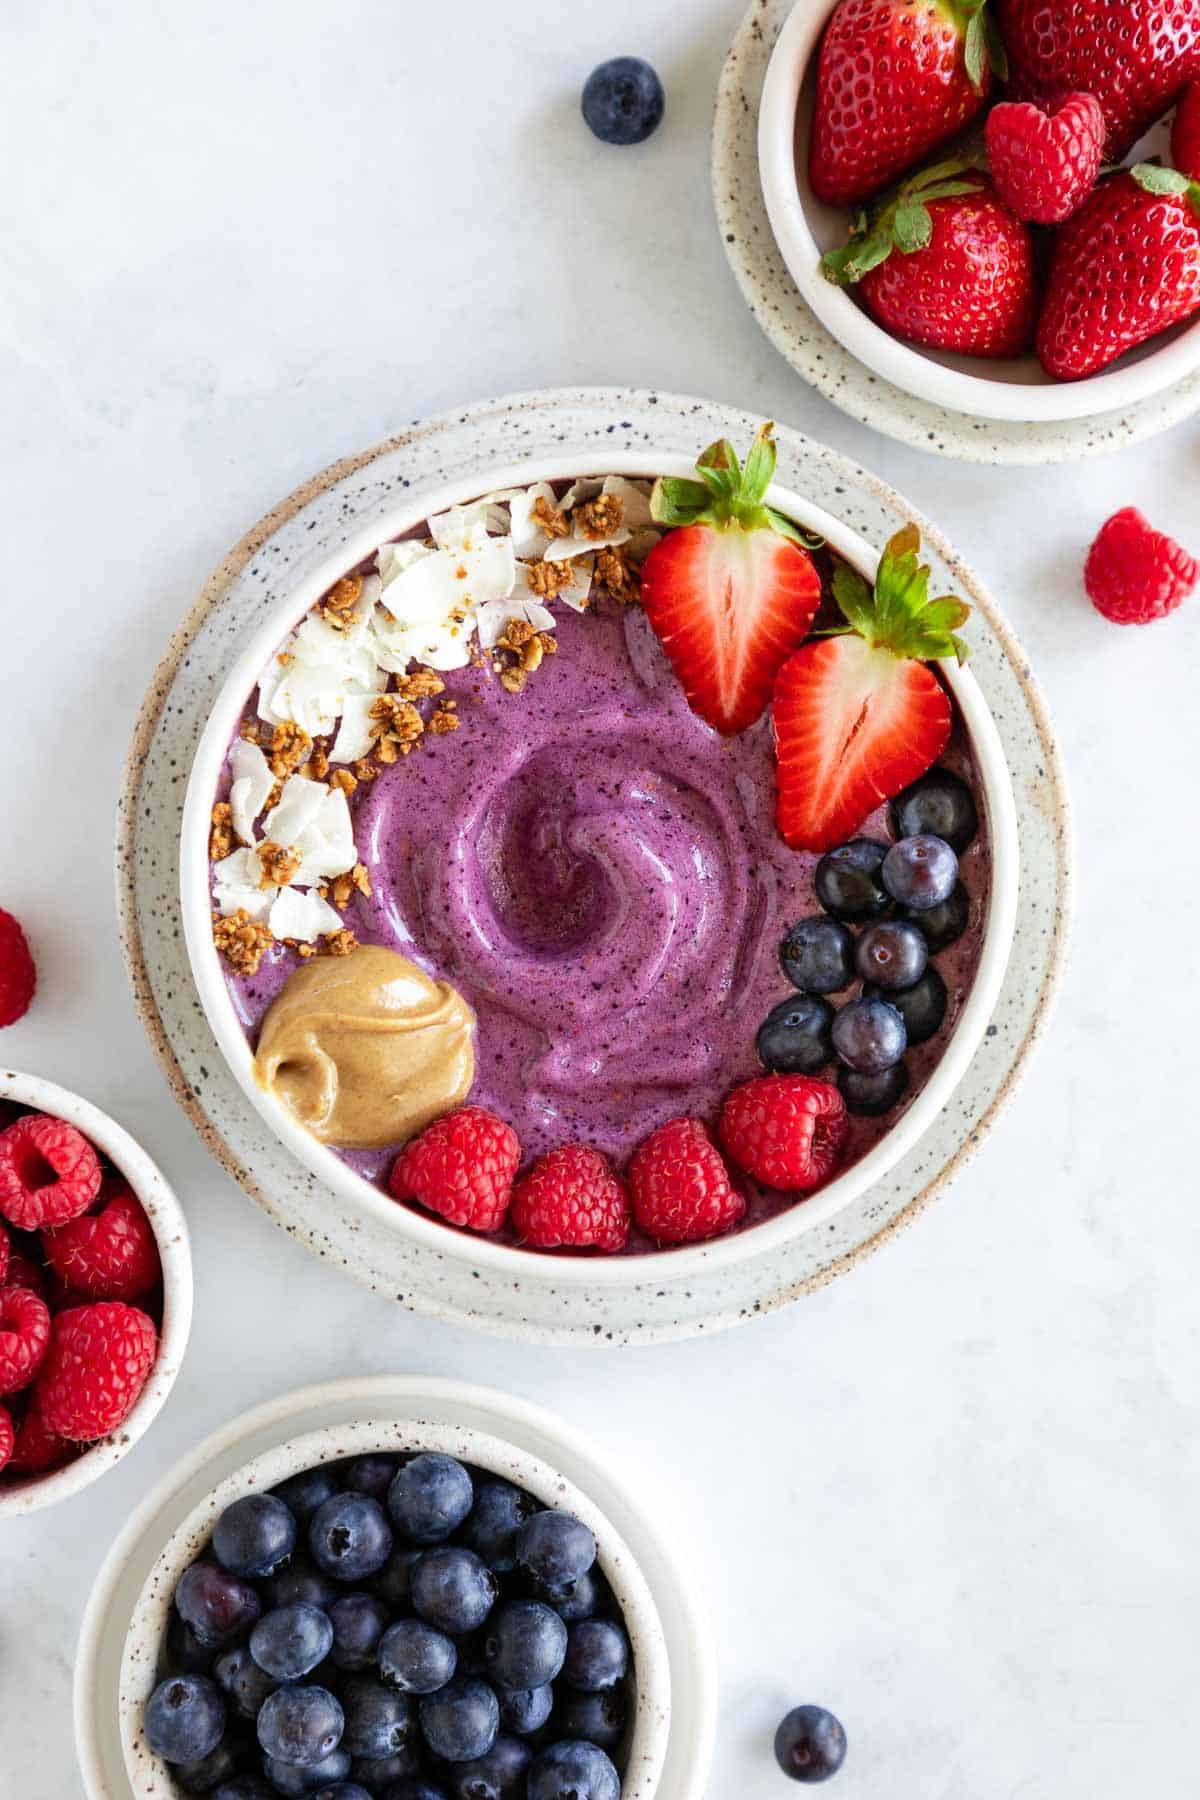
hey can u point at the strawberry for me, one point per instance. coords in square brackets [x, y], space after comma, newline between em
[858, 715]
[1185, 132]
[730, 590]
[1045, 162]
[1134, 55]
[895, 78]
[945, 263]
[1124, 268]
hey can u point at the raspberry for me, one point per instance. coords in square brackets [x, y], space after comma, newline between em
[5, 1255]
[7, 1437]
[1134, 574]
[680, 1185]
[462, 1167]
[18, 977]
[110, 1254]
[24, 1273]
[788, 1131]
[24, 1335]
[571, 1198]
[37, 1448]
[96, 1366]
[1044, 165]
[1185, 133]
[49, 1173]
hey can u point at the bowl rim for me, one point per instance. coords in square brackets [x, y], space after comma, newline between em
[169, 1224]
[583, 1272]
[417, 1433]
[906, 365]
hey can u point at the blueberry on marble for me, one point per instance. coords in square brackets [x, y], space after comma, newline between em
[462, 1721]
[818, 955]
[941, 925]
[430, 1497]
[184, 1718]
[920, 872]
[452, 1589]
[848, 882]
[940, 805]
[869, 1036]
[623, 101]
[794, 1038]
[220, 1608]
[300, 1725]
[870, 1096]
[254, 1535]
[922, 1006]
[415, 1658]
[525, 1644]
[350, 1537]
[810, 1744]
[573, 1771]
[891, 954]
[597, 1655]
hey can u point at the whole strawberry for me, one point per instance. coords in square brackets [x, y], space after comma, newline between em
[1045, 162]
[1134, 55]
[1135, 574]
[895, 79]
[571, 1200]
[944, 262]
[680, 1186]
[1185, 132]
[787, 1131]
[18, 977]
[461, 1167]
[1124, 268]
[96, 1367]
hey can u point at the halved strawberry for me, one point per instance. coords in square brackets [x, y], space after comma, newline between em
[859, 715]
[730, 590]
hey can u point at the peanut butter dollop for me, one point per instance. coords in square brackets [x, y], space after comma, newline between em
[364, 1050]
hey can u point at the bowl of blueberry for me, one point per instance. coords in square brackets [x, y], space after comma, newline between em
[396, 1607]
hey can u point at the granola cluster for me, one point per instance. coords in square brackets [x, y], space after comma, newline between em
[520, 653]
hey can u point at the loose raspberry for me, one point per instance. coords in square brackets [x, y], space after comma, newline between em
[7, 1437]
[1135, 574]
[18, 977]
[49, 1173]
[24, 1336]
[571, 1200]
[788, 1131]
[680, 1185]
[36, 1448]
[96, 1366]
[110, 1254]
[462, 1167]
[1185, 133]
[1044, 164]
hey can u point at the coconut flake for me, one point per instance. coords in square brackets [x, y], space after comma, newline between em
[497, 616]
[236, 885]
[354, 733]
[579, 593]
[304, 917]
[251, 785]
[634, 497]
[326, 845]
[529, 538]
[299, 804]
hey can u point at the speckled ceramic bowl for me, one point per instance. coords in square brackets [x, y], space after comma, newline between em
[151, 1779]
[30, 1493]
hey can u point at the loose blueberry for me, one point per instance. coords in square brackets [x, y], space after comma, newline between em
[525, 1710]
[359, 1622]
[254, 1535]
[869, 1036]
[429, 1498]
[870, 1096]
[597, 1655]
[350, 1537]
[920, 872]
[525, 1645]
[939, 805]
[392, 1583]
[555, 1549]
[292, 1640]
[597, 1718]
[303, 1493]
[573, 1771]
[582, 1599]
[818, 955]
[300, 1579]
[922, 1006]
[848, 882]
[810, 1744]
[415, 1658]
[301, 1725]
[491, 1528]
[794, 1037]
[296, 1779]
[623, 101]
[220, 1608]
[891, 954]
[184, 1718]
[462, 1721]
[942, 925]
[379, 1721]
[244, 1685]
[370, 1475]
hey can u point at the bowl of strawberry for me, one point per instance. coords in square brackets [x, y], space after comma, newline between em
[993, 204]
[95, 1293]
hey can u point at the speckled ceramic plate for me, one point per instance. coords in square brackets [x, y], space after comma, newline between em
[815, 354]
[312, 523]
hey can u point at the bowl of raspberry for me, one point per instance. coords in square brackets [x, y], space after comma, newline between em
[95, 1293]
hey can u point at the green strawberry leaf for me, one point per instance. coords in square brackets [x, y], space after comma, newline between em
[900, 222]
[675, 502]
[728, 497]
[899, 615]
[913, 227]
[997, 53]
[854, 598]
[1157, 180]
[975, 52]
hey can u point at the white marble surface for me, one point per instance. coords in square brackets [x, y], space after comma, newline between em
[954, 1496]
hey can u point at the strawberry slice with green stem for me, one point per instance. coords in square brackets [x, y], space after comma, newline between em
[730, 590]
[858, 713]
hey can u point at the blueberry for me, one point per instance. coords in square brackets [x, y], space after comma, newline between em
[942, 925]
[254, 1535]
[491, 1528]
[244, 1685]
[453, 1589]
[810, 1744]
[392, 1583]
[525, 1710]
[920, 872]
[185, 1654]
[359, 1622]
[303, 1493]
[498, 1775]
[848, 883]
[295, 1779]
[429, 1498]
[300, 1725]
[869, 1036]
[415, 1658]
[623, 101]
[580, 1600]
[219, 1607]
[350, 1537]
[342, 1790]
[292, 1640]
[462, 1721]
[573, 1771]
[555, 1549]
[599, 1718]
[413, 1788]
[245, 1787]
[184, 1718]
[372, 1475]
[379, 1721]
[939, 805]
[299, 1580]
[794, 1038]
[818, 955]
[597, 1655]
[922, 1006]
[891, 954]
[205, 1773]
[525, 1645]
[869, 1096]
[380, 1774]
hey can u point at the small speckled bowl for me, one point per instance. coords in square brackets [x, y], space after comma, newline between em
[20, 1495]
[151, 1779]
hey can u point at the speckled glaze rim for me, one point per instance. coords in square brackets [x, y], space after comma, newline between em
[121, 1630]
[551, 416]
[20, 1498]
[824, 362]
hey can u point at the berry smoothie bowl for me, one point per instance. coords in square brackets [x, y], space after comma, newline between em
[603, 866]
